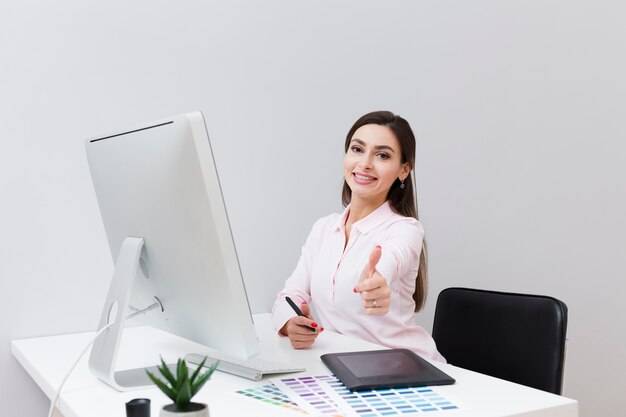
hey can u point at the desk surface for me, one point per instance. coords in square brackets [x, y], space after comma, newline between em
[47, 359]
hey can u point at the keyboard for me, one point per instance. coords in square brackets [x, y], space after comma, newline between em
[252, 368]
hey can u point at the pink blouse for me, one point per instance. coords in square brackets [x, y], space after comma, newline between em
[326, 275]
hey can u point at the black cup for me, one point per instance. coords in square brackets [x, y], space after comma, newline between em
[139, 407]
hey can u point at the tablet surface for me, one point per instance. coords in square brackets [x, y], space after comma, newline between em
[389, 368]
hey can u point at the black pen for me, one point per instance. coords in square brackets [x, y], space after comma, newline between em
[297, 310]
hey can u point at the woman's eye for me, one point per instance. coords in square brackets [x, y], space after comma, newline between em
[383, 155]
[356, 149]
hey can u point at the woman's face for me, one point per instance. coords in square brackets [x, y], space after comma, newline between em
[373, 162]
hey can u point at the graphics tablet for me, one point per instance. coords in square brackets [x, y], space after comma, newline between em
[389, 368]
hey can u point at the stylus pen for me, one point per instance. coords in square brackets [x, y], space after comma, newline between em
[297, 310]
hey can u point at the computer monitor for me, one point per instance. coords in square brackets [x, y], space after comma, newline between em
[176, 266]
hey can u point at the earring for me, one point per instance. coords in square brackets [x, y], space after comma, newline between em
[402, 184]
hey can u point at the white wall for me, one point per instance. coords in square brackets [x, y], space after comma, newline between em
[518, 105]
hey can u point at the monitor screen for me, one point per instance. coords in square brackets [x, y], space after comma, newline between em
[157, 184]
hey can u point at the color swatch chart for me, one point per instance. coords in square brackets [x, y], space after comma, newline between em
[272, 395]
[326, 396]
[308, 392]
[390, 402]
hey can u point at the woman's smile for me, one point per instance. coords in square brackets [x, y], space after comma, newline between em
[363, 179]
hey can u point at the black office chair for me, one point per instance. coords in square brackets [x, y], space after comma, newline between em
[517, 337]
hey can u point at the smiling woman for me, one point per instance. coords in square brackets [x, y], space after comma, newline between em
[372, 164]
[384, 126]
[375, 249]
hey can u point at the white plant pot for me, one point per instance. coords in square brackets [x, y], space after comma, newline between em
[196, 410]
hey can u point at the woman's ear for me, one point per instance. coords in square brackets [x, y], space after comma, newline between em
[404, 171]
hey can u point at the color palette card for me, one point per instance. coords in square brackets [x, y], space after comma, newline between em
[271, 395]
[389, 402]
[309, 394]
[326, 396]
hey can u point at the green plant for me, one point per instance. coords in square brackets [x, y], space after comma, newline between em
[182, 387]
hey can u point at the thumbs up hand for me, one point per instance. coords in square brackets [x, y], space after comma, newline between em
[375, 293]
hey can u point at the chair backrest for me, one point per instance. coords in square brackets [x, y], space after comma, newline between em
[517, 337]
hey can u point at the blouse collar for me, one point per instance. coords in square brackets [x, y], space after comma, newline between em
[367, 223]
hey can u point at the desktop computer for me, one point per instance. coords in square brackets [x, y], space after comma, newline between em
[176, 266]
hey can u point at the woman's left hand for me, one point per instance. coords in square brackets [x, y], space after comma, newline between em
[375, 293]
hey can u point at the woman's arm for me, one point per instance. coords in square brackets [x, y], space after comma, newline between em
[397, 256]
[298, 288]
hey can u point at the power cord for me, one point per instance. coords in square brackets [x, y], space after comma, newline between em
[58, 393]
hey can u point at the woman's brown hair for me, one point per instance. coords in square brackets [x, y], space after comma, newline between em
[401, 200]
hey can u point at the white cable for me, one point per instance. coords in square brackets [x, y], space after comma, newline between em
[56, 396]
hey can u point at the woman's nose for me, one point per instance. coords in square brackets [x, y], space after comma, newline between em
[366, 161]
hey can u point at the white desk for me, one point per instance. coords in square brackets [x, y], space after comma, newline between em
[47, 359]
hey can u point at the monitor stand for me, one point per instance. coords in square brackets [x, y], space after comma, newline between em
[105, 347]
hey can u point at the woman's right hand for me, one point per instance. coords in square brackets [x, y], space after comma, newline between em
[302, 331]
